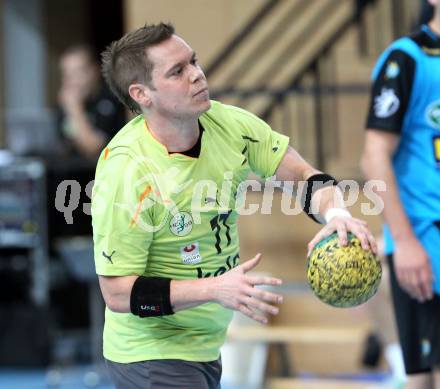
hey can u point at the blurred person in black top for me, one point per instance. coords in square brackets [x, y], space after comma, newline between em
[89, 115]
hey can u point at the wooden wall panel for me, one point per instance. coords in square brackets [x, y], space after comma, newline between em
[205, 24]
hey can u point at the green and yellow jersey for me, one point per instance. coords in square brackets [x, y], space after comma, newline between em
[171, 215]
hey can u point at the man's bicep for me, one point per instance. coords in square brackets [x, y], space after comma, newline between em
[379, 141]
[121, 254]
[116, 284]
[263, 147]
[293, 167]
[122, 225]
[116, 292]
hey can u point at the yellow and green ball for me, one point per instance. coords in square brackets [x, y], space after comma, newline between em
[343, 276]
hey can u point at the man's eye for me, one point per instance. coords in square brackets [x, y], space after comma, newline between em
[177, 71]
[194, 61]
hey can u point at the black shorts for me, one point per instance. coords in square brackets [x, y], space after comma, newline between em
[165, 374]
[418, 326]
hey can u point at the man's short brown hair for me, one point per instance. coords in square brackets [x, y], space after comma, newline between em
[125, 62]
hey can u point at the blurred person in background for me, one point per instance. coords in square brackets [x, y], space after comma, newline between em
[89, 114]
[402, 148]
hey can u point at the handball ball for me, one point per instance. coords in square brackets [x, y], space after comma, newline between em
[343, 276]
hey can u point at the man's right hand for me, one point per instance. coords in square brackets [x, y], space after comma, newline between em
[413, 269]
[236, 290]
[71, 99]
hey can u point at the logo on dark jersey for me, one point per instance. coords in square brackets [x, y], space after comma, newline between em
[386, 104]
[433, 114]
[392, 70]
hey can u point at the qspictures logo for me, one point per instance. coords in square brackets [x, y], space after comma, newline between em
[144, 191]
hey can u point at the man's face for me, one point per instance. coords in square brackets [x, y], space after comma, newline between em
[79, 73]
[178, 87]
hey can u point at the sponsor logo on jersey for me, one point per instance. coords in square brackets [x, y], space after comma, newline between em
[191, 254]
[436, 145]
[386, 104]
[181, 224]
[392, 70]
[230, 262]
[431, 51]
[433, 114]
[108, 256]
[276, 147]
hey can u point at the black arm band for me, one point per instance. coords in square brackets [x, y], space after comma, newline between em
[150, 296]
[314, 183]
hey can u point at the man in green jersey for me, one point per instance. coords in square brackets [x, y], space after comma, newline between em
[165, 212]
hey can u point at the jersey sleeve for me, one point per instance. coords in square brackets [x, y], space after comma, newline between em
[264, 147]
[120, 217]
[393, 79]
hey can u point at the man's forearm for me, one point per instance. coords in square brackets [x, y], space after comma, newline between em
[235, 289]
[183, 293]
[190, 293]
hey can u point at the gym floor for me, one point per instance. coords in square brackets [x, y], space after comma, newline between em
[88, 376]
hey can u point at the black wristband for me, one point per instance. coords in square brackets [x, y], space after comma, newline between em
[150, 296]
[314, 183]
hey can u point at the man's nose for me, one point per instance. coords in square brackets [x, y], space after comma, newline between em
[196, 74]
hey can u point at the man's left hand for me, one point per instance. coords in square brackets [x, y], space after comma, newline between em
[343, 225]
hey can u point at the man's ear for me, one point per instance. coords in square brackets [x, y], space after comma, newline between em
[140, 94]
